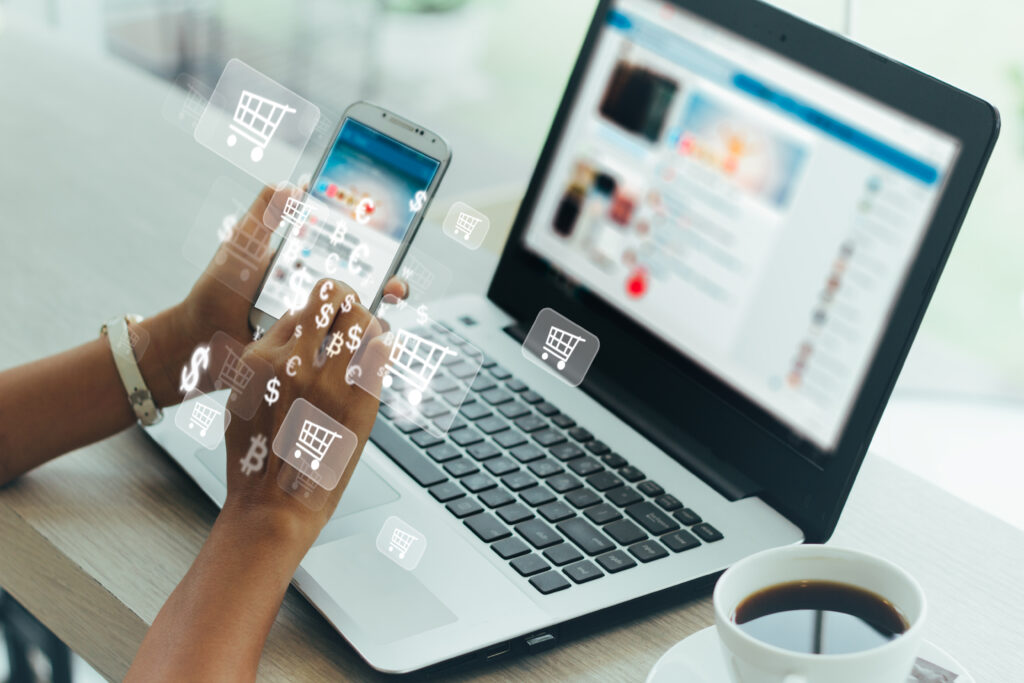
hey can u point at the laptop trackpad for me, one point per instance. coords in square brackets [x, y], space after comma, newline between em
[385, 601]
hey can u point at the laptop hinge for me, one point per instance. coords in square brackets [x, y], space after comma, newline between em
[698, 459]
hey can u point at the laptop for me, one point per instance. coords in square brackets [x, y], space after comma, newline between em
[751, 214]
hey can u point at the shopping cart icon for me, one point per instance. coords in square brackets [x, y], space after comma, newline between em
[417, 275]
[465, 224]
[247, 249]
[415, 360]
[295, 212]
[194, 105]
[202, 417]
[560, 344]
[256, 119]
[314, 440]
[234, 374]
[401, 541]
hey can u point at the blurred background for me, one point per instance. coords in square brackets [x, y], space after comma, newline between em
[488, 74]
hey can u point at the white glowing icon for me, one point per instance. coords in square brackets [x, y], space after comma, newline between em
[256, 119]
[560, 344]
[315, 441]
[415, 360]
[465, 224]
[401, 541]
[295, 212]
[202, 417]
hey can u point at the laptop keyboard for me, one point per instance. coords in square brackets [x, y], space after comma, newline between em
[547, 495]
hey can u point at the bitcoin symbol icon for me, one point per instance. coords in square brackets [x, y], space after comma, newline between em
[416, 203]
[349, 300]
[292, 366]
[272, 391]
[325, 317]
[337, 342]
[253, 460]
[421, 314]
[298, 331]
[190, 374]
[340, 231]
[324, 289]
[355, 334]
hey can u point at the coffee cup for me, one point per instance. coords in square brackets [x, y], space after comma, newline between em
[764, 582]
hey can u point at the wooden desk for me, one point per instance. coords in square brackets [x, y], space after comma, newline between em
[98, 194]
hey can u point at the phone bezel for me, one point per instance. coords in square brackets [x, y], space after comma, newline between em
[402, 130]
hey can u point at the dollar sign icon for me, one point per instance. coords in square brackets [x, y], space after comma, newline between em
[355, 334]
[349, 300]
[416, 203]
[272, 391]
[190, 373]
[298, 331]
[421, 314]
[326, 314]
[227, 226]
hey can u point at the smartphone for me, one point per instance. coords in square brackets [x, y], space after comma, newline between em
[376, 180]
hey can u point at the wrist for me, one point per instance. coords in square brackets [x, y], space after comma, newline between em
[288, 531]
[169, 349]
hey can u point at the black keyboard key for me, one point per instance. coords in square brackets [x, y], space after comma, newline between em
[538, 533]
[531, 396]
[580, 434]
[531, 423]
[561, 554]
[630, 473]
[707, 533]
[443, 383]
[651, 518]
[527, 453]
[625, 532]
[483, 450]
[425, 439]
[492, 425]
[464, 507]
[406, 456]
[668, 502]
[538, 495]
[549, 582]
[487, 528]
[432, 409]
[678, 541]
[603, 513]
[531, 564]
[406, 426]
[555, 512]
[499, 372]
[597, 447]
[545, 467]
[462, 369]
[687, 516]
[387, 411]
[495, 498]
[475, 483]
[496, 396]
[461, 467]
[584, 571]
[482, 383]
[509, 439]
[614, 561]
[650, 488]
[517, 481]
[614, 460]
[467, 436]
[513, 514]
[583, 498]
[475, 410]
[564, 482]
[513, 409]
[516, 385]
[501, 466]
[646, 551]
[586, 536]
[585, 466]
[488, 362]
[604, 481]
[624, 495]
[547, 409]
[449, 490]
[510, 547]
[566, 451]
[563, 420]
[443, 453]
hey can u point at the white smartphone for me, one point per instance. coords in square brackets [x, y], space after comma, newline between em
[376, 180]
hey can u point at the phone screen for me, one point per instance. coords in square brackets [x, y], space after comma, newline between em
[373, 187]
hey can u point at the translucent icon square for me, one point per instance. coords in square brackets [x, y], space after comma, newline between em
[133, 344]
[245, 378]
[466, 225]
[315, 444]
[203, 418]
[560, 346]
[419, 368]
[401, 543]
[256, 123]
[428, 280]
[186, 102]
[292, 209]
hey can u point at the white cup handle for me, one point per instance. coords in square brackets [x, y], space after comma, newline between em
[794, 678]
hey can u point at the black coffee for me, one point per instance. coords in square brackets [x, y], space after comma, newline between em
[819, 617]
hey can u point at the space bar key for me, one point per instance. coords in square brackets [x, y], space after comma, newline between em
[405, 455]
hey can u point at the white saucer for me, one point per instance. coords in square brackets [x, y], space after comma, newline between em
[698, 659]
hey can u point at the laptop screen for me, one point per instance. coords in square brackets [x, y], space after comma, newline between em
[755, 215]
